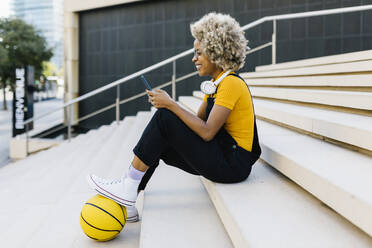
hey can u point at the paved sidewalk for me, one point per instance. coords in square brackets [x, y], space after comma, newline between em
[6, 122]
[5, 132]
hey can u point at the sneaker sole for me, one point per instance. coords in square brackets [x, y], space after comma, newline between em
[133, 219]
[107, 194]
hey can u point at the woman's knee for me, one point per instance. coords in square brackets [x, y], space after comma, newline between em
[164, 113]
[168, 119]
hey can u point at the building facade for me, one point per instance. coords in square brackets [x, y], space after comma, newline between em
[108, 40]
[47, 17]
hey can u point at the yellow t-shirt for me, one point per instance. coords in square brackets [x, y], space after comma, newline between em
[233, 94]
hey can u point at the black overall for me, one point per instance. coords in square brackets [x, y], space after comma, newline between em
[220, 160]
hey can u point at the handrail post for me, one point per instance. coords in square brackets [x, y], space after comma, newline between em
[118, 104]
[174, 81]
[27, 143]
[69, 122]
[273, 46]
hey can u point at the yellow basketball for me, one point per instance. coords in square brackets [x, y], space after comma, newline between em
[102, 219]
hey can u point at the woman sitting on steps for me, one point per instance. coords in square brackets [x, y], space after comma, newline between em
[220, 143]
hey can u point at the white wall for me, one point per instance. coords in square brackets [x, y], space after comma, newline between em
[74, 6]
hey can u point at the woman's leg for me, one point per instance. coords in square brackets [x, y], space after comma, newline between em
[124, 191]
[170, 157]
[138, 164]
[166, 132]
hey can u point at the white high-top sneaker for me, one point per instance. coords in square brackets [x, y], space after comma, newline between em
[132, 214]
[122, 191]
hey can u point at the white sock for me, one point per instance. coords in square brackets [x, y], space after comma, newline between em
[135, 174]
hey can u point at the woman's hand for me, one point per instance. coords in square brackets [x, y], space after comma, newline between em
[159, 98]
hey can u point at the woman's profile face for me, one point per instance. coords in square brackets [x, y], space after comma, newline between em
[202, 63]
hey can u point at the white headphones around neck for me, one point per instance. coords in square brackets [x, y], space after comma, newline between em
[209, 87]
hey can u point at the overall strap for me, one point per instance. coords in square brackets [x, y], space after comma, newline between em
[236, 75]
[256, 149]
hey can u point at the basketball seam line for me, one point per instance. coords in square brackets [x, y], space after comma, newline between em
[87, 203]
[91, 237]
[97, 227]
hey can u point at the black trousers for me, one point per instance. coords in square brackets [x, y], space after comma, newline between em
[166, 137]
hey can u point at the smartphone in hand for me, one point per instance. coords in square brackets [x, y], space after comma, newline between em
[147, 85]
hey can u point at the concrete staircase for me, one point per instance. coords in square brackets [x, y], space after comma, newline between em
[316, 131]
[42, 195]
[311, 188]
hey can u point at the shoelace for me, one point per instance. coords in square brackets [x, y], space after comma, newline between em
[106, 181]
[116, 181]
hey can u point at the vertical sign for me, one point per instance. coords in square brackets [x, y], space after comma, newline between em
[29, 94]
[21, 101]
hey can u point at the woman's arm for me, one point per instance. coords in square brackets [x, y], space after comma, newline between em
[202, 111]
[205, 129]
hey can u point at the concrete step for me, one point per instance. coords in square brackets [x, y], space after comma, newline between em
[78, 163]
[345, 127]
[69, 229]
[347, 67]
[349, 128]
[15, 167]
[46, 122]
[269, 210]
[348, 99]
[42, 161]
[343, 80]
[129, 237]
[320, 168]
[36, 199]
[177, 212]
[338, 177]
[325, 60]
[36, 165]
[19, 147]
[122, 162]
[191, 103]
[198, 94]
[106, 156]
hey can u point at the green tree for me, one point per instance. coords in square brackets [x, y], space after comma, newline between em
[4, 63]
[49, 69]
[23, 46]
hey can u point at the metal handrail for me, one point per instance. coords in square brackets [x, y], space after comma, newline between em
[124, 101]
[136, 96]
[259, 48]
[116, 83]
[307, 14]
[173, 59]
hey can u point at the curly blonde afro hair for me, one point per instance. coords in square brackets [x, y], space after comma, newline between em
[221, 40]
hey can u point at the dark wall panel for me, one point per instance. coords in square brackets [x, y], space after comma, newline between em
[120, 40]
